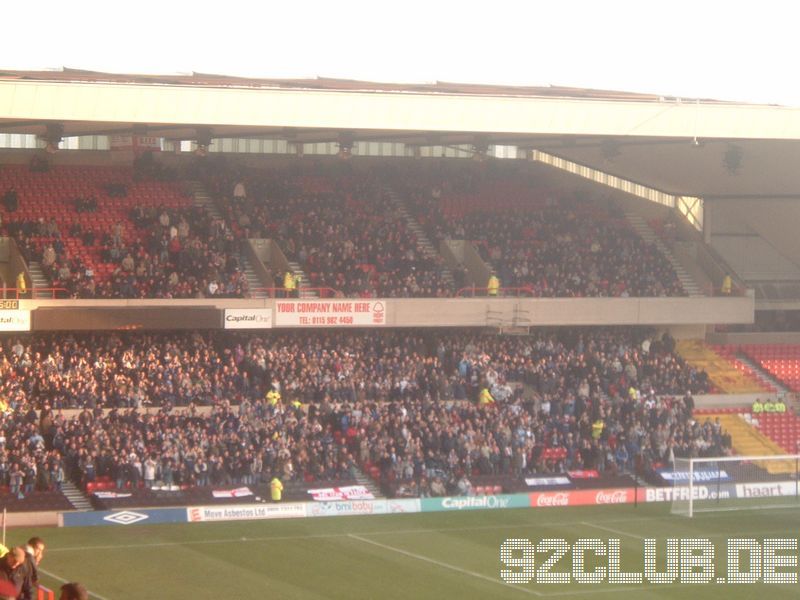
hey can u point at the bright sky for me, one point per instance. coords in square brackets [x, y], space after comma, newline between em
[728, 50]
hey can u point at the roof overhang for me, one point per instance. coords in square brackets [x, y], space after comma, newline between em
[669, 144]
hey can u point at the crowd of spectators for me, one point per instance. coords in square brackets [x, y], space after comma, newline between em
[134, 249]
[317, 404]
[564, 250]
[133, 369]
[342, 227]
[431, 448]
[174, 253]
[547, 242]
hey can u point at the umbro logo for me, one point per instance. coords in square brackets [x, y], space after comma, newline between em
[126, 517]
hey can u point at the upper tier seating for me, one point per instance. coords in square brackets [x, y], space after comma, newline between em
[104, 232]
[780, 360]
[543, 242]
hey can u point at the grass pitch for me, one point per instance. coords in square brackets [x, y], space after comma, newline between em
[433, 555]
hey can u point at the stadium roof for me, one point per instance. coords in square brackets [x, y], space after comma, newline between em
[699, 147]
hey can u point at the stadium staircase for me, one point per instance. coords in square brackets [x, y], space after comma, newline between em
[749, 441]
[781, 362]
[368, 482]
[646, 232]
[424, 244]
[767, 378]
[304, 281]
[75, 496]
[722, 373]
[38, 280]
[202, 199]
[781, 428]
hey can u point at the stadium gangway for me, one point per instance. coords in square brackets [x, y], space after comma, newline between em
[280, 292]
[503, 292]
[32, 292]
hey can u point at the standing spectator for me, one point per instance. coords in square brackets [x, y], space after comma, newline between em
[11, 200]
[22, 285]
[12, 569]
[16, 479]
[276, 489]
[289, 284]
[34, 552]
[239, 192]
[727, 285]
[493, 285]
[150, 466]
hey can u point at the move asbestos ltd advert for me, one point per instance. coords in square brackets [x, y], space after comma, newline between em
[245, 512]
[248, 318]
[330, 313]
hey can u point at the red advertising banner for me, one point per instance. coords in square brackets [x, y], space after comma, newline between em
[583, 474]
[583, 497]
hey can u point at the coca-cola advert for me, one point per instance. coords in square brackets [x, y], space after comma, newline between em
[583, 497]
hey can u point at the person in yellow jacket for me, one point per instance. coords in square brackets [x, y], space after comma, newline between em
[769, 407]
[597, 429]
[493, 286]
[276, 489]
[780, 407]
[289, 284]
[757, 407]
[727, 285]
[485, 396]
[22, 285]
[273, 397]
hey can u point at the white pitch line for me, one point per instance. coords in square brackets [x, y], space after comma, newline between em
[612, 530]
[600, 591]
[307, 536]
[444, 565]
[331, 535]
[518, 526]
[62, 580]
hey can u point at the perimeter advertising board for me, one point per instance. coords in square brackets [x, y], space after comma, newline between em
[124, 517]
[247, 318]
[475, 502]
[15, 320]
[245, 512]
[330, 313]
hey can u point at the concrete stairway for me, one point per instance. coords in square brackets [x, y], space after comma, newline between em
[203, 199]
[722, 373]
[762, 374]
[253, 281]
[749, 441]
[367, 481]
[424, 245]
[38, 280]
[644, 230]
[76, 496]
[303, 281]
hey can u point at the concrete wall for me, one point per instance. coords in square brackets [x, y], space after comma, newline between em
[788, 337]
[473, 312]
[258, 251]
[32, 519]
